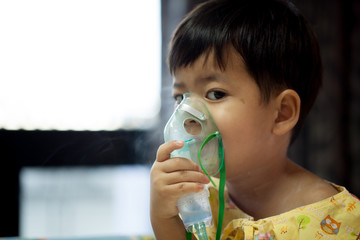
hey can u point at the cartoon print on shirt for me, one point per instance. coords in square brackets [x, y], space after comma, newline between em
[330, 226]
[357, 235]
[283, 230]
[351, 206]
[303, 221]
[264, 236]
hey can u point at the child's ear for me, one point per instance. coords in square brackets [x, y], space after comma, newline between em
[287, 111]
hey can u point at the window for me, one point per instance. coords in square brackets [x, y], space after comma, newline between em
[79, 64]
[78, 202]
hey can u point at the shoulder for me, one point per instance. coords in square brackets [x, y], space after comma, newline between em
[307, 188]
[318, 190]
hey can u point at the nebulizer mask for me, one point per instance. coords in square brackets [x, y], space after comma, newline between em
[192, 123]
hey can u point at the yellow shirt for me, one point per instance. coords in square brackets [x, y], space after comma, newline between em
[337, 217]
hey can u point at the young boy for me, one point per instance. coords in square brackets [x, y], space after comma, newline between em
[256, 65]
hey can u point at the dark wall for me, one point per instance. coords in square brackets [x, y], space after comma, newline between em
[73, 148]
[329, 144]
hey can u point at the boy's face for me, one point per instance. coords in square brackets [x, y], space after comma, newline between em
[233, 98]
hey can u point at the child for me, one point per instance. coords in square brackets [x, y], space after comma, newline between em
[256, 65]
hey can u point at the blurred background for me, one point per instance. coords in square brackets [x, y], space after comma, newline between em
[85, 94]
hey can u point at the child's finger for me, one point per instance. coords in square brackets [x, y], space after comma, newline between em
[179, 164]
[182, 188]
[186, 177]
[165, 150]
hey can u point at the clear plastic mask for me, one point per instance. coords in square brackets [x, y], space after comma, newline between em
[192, 123]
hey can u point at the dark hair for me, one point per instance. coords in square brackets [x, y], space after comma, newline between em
[278, 46]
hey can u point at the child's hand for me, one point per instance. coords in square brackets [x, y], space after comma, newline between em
[170, 179]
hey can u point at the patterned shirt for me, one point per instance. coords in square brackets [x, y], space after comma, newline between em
[337, 217]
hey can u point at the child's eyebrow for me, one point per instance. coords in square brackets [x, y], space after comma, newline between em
[210, 78]
[200, 80]
[178, 85]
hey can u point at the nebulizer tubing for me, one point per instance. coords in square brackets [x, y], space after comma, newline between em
[200, 227]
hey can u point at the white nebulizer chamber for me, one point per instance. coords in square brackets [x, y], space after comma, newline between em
[192, 123]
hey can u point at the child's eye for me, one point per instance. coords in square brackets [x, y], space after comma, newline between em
[178, 98]
[215, 95]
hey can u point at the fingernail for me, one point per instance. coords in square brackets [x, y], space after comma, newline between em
[200, 187]
[179, 143]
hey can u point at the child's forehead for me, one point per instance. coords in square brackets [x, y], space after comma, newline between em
[206, 69]
[210, 65]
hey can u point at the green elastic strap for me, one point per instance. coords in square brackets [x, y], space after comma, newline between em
[222, 179]
[221, 190]
[211, 136]
[188, 235]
